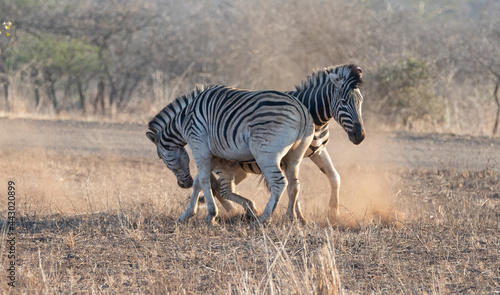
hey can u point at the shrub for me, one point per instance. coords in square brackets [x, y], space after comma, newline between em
[405, 94]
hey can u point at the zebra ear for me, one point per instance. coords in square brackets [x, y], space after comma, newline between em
[360, 72]
[335, 79]
[152, 137]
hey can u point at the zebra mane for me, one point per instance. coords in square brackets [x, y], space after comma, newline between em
[347, 72]
[161, 120]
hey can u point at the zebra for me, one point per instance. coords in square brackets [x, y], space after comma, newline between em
[224, 126]
[330, 93]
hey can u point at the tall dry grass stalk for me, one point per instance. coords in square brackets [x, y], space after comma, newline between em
[302, 271]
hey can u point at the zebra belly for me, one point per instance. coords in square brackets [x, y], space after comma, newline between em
[250, 167]
[236, 152]
[321, 138]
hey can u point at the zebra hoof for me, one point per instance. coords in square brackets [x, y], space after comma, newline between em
[333, 216]
[264, 221]
[183, 218]
[210, 221]
[255, 225]
[296, 217]
[251, 214]
[302, 220]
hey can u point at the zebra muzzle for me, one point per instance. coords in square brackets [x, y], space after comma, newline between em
[358, 134]
[186, 183]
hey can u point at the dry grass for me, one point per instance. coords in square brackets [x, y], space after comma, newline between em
[105, 224]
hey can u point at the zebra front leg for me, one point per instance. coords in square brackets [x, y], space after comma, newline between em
[324, 163]
[211, 206]
[193, 203]
[204, 165]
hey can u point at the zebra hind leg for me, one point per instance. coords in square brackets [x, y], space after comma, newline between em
[216, 191]
[249, 206]
[230, 175]
[277, 182]
[293, 189]
[292, 164]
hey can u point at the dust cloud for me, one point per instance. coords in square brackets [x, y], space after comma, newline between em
[369, 190]
[51, 183]
[369, 187]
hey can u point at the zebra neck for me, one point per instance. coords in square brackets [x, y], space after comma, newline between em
[318, 101]
[172, 135]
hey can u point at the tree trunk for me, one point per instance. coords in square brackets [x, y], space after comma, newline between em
[495, 129]
[99, 99]
[83, 101]
[126, 93]
[497, 100]
[51, 91]
[37, 99]
[112, 93]
[66, 103]
[6, 95]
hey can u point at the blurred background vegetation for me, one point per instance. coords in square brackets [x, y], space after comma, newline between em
[427, 65]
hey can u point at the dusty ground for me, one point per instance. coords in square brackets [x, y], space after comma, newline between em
[96, 212]
[403, 150]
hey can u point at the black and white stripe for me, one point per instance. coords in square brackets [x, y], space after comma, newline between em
[333, 93]
[329, 93]
[225, 126]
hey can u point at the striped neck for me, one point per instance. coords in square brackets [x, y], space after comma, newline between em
[318, 100]
[172, 136]
[321, 92]
[168, 113]
[167, 124]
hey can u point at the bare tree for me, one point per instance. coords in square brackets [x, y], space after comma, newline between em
[162, 48]
[483, 48]
[5, 42]
[496, 98]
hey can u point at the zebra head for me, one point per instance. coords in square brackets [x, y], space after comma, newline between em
[176, 158]
[346, 109]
